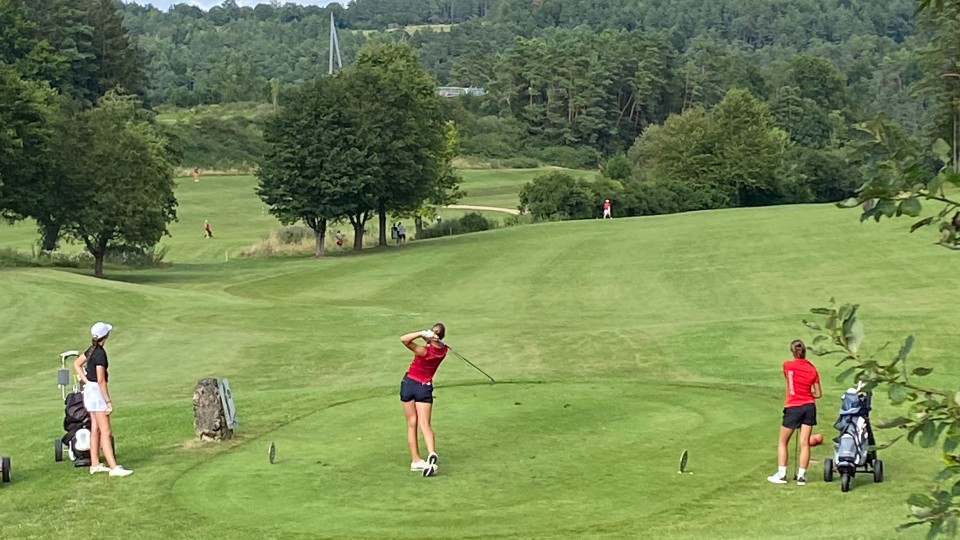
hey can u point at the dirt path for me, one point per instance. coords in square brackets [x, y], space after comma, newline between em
[513, 211]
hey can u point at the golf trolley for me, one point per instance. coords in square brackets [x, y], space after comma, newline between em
[76, 420]
[855, 446]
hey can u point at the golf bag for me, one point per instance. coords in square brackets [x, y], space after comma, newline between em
[76, 424]
[853, 447]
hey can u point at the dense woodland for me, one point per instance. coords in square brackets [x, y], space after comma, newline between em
[577, 83]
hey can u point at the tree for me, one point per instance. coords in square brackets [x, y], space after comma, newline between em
[318, 165]
[403, 131]
[123, 180]
[556, 195]
[26, 108]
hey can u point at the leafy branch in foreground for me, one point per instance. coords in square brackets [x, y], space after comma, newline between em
[931, 415]
[897, 178]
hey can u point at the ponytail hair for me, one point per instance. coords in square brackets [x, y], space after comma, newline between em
[798, 349]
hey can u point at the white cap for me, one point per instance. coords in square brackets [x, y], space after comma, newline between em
[100, 330]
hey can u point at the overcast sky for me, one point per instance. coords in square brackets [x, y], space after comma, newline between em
[207, 4]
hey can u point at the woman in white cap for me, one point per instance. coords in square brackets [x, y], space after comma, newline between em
[96, 399]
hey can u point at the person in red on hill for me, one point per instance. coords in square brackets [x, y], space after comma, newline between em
[800, 411]
[416, 393]
[606, 209]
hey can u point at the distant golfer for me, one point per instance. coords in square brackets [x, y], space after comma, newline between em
[91, 367]
[207, 231]
[606, 209]
[800, 411]
[401, 233]
[339, 236]
[196, 174]
[416, 391]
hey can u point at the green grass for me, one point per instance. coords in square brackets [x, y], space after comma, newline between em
[617, 343]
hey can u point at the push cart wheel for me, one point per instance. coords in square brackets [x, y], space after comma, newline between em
[845, 482]
[878, 471]
[6, 469]
[828, 470]
[58, 450]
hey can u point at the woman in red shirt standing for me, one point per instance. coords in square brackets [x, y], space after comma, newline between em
[416, 393]
[800, 411]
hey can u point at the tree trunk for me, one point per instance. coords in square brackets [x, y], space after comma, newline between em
[358, 235]
[98, 263]
[382, 211]
[321, 232]
[49, 236]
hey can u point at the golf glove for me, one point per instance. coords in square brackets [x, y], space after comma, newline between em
[428, 334]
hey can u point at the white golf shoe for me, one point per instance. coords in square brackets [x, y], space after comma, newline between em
[418, 465]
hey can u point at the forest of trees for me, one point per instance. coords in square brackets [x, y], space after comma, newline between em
[577, 83]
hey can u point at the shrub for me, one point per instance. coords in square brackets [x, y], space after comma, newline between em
[582, 157]
[557, 196]
[294, 234]
[472, 222]
[516, 220]
[515, 163]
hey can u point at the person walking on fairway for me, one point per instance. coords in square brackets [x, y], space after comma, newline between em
[416, 393]
[401, 233]
[800, 412]
[91, 368]
[207, 231]
[606, 209]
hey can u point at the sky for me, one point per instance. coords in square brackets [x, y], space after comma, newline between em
[207, 4]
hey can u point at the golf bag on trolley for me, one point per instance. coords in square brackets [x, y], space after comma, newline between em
[76, 424]
[853, 447]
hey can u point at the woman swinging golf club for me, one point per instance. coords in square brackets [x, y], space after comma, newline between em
[800, 411]
[96, 399]
[416, 393]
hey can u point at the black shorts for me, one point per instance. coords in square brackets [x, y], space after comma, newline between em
[411, 390]
[794, 417]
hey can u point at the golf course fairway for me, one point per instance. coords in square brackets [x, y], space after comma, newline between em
[616, 345]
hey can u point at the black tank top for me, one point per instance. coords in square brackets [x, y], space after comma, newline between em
[96, 356]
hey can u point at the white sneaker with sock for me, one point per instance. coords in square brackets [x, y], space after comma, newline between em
[780, 477]
[120, 471]
[100, 467]
[418, 465]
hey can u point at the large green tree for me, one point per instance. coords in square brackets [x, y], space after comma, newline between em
[403, 129]
[122, 180]
[318, 165]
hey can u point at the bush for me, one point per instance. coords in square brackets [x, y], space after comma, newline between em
[516, 220]
[136, 257]
[472, 222]
[294, 234]
[515, 163]
[582, 157]
[557, 196]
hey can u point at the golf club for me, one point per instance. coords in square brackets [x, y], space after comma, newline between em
[492, 381]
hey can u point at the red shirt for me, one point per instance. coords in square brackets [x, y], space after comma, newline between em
[800, 375]
[606, 205]
[424, 367]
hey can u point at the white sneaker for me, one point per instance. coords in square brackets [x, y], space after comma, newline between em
[777, 479]
[100, 467]
[418, 465]
[120, 471]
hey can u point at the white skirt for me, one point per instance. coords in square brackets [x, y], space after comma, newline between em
[93, 398]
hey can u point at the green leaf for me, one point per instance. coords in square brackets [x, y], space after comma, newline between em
[820, 311]
[956, 489]
[910, 524]
[887, 444]
[854, 335]
[934, 530]
[941, 150]
[935, 184]
[897, 393]
[819, 339]
[956, 398]
[893, 422]
[921, 500]
[910, 207]
[950, 444]
[846, 373]
[921, 371]
[929, 434]
[905, 350]
[811, 325]
[922, 223]
[947, 473]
